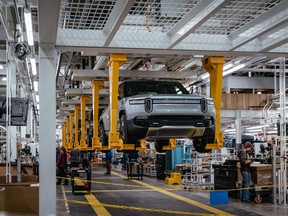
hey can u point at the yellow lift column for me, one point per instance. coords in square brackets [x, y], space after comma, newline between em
[64, 130]
[214, 66]
[67, 132]
[71, 115]
[96, 86]
[83, 99]
[115, 61]
[76, 114]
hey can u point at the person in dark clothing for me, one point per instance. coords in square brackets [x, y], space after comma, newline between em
[61, 165]
[245, 171]
[109, 155]
[75, 158]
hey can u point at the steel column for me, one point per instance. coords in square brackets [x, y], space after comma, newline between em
[214, 65]
[96, 86]
[47, 138]
[283, 166]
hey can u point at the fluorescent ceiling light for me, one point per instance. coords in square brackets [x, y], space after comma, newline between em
[35, 85]
[3, 128]
[256, 130]
[38, 106]
[37, 98]
[204, 76]
[28, 25]
[33, 66]
[4, 79]
[159, 67]
[1, 66]
[257, 127]
[233, 69]
[228, 65]
[230, 130]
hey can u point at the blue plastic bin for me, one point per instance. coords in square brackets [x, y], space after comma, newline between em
[218, 197]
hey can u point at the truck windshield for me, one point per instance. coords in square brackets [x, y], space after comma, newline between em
[154, 87]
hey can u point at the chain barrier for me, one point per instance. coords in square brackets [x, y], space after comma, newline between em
[138, 208]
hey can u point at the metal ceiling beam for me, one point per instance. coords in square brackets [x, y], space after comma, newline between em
[116, 18]
[241, 113]
[66, 102]
[88, 75]
[105, 51]
[48, 15]
[100, 63]
[79, 92]
[217, 6]
[188, 17]
[262, 70]
[277, 43]
[265, 16]
[269, 27]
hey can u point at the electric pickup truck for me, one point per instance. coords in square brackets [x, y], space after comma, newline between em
[156, 110]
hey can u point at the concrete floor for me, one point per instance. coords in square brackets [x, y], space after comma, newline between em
[117, 195]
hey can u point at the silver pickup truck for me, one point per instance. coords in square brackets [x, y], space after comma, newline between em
[158, 110]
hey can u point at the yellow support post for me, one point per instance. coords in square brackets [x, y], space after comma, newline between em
[96, 86]
[71, 115]
[142, 145]
[83, 99]
[171, 146]
[115, 61]
[64, 141]
[67, 132]
[214, 66]
[76, 114]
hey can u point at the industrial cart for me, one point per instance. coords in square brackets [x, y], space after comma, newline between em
[75, 172]
[134, 169]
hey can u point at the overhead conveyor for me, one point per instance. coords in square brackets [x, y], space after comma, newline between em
[115, 61]
[214, 66]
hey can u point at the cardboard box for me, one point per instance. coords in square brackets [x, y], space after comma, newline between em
[20, 198]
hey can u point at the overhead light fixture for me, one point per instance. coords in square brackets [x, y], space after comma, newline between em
[35, 86]
[4, 79]
[257, 127]
[256, 130]
[38, 106]
[228, 65]
[204, 76]
[33, 66]
[28, 25]
[160, 67]
[1, 66]
[233, 69]
[230, 130]
[37, 98]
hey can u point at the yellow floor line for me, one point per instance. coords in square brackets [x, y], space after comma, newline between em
[176, 196]
[137, 190]
[100, 210]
